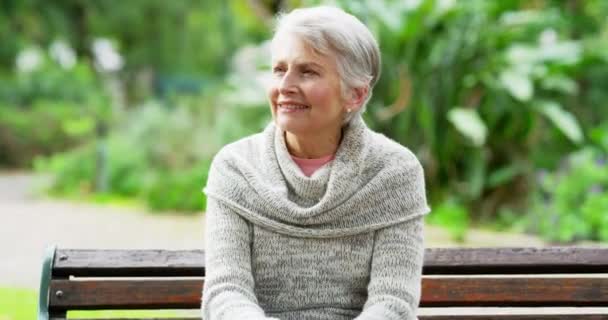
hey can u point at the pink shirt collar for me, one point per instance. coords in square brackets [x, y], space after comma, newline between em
[309, 166]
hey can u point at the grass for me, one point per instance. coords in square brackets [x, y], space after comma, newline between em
[22, 304]
[18, 304]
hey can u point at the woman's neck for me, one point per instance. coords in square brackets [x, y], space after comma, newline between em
[313, 146]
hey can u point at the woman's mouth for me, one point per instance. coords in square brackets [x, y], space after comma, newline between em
[291, 108]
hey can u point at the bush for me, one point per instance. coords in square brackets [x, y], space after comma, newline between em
[22, 137]
[73, 171]
[159, 155]
[452, 216]
[181, 190]
[571, 203]
[48, 109]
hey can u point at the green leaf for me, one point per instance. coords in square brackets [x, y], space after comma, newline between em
[560, 83]
[563, 120]
[78, 127]
[389, 14]
[566, 52]
[503, 175]
[519, 18]
[518, 84]
[518, 54]
[599, 135]
[468, 122]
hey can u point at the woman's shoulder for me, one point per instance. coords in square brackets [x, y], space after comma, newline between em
[245, 149]
[391, 151]
[398, 168]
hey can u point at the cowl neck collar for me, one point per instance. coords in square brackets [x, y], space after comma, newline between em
[372, 183]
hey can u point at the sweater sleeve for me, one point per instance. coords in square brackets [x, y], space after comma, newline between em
[228, 292]
[396, 271]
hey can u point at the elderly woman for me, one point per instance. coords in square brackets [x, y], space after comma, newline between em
[316, 217]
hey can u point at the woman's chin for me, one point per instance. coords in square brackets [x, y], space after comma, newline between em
[291, 125]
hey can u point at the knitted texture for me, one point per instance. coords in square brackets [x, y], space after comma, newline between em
[344, 243]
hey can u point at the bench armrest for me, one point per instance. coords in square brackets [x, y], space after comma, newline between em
[45, 282]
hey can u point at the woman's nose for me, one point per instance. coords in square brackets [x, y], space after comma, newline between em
[287, 83]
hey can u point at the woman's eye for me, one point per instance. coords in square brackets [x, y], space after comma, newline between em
[278, 70]
[309, 72]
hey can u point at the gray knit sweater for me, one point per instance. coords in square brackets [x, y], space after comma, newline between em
[345, 243]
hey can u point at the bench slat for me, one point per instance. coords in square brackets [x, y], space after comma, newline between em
[125, 294]
[181, 318]
[454, 292]
[458, 317]
[174, 263]
[519, 317]
[515, 260]
[127, 263]
[514, 292]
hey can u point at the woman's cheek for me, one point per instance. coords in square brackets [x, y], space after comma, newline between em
[272, 94]
[320, 96]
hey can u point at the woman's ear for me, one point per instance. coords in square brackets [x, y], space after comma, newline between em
[356, 98]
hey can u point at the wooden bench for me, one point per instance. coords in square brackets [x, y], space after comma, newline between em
[489, 277]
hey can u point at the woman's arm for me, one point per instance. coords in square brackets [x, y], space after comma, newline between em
[228, 292]
[395, 280]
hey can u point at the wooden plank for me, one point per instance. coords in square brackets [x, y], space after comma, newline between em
[549, 260]
[443, 292]
[519, 317]
[458, 317]
[514, 292]
[125, 294]
[181, 318]
[125, 263]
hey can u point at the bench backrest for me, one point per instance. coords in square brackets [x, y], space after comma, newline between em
[488, 277]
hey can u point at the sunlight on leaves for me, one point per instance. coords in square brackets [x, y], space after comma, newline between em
[469, 123]
[563, 120]
[518, 84]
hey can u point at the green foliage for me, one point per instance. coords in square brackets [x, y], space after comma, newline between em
[571, 203]
[166, 47]
[136, 156]
[452, 216]
[50, 81]
[180, 190]
[18, 303]
[165, 37]
[72, 170]
[159, 154]
[485, 91]
[47, 109]
[22, 136]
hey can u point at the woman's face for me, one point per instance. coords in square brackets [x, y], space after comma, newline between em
[305, 96]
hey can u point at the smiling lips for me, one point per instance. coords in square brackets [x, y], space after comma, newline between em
[291, 107]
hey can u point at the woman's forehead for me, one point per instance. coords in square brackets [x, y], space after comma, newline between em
[289, 48]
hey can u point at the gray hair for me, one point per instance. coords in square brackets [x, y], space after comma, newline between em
[330, 30]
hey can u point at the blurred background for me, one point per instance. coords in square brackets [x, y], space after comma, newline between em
[111, 111]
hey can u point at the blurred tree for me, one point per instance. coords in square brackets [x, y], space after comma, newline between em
[169, 43]
[151, 47]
